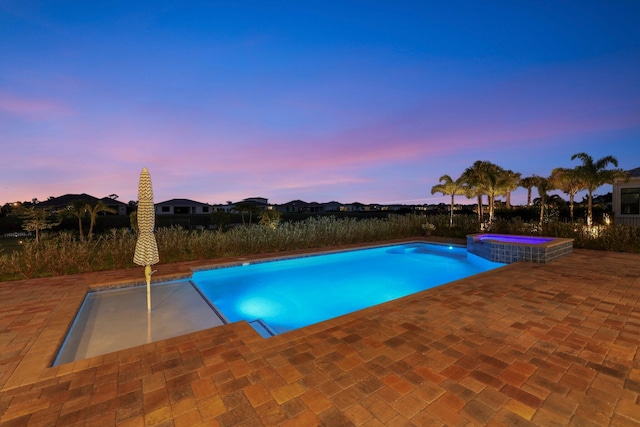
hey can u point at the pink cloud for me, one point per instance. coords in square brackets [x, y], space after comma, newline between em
[214, 160]
[32, 107]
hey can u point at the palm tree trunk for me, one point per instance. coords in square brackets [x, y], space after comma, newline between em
[590, 209]
[80, 229]
[571, 200]
[90, 232]
[491, 206]
[451, 214]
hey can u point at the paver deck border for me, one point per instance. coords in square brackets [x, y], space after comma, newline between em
[36, 362]
[526, 344]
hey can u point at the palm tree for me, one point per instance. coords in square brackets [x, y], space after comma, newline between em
[492, 187]
[550, 201]
[569, 182]
[450, 187]
[494, 184]
[241, 208]
[594, 174]
[473, 178]
[94, 208]
[77, 208]
[484, 178]
[528, 182]
[509, 181]
[246, 207]
[544, 185]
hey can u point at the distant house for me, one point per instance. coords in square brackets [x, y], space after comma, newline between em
[230, 207]
[333, 207]
[57, 204]
[356, 207]
[300, 206]
[255, 202]
[394, 208]
[182, 206]
[626, 199]
[315, 207]
[292, 206]
[258, 201]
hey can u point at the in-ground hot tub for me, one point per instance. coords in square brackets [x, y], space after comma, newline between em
[509, 248]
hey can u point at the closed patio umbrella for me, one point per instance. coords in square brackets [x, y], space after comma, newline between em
[146, 253]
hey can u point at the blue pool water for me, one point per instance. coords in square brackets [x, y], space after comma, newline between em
[289, 294]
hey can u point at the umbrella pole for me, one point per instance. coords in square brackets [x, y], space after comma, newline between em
[147, 273]
[148, 327]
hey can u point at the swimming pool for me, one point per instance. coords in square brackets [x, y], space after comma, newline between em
[273, 296]
[280, 296]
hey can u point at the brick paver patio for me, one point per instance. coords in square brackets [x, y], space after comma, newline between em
[528, 344]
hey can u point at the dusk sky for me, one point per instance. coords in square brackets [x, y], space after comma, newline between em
[368, 101]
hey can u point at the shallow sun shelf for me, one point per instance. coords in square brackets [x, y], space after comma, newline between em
[118, 319]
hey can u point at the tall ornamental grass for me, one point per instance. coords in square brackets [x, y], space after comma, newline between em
[62, 253]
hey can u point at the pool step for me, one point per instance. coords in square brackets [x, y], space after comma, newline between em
[215, 310]
[262, 328]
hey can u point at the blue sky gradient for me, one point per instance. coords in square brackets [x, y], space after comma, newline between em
[319, 100]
